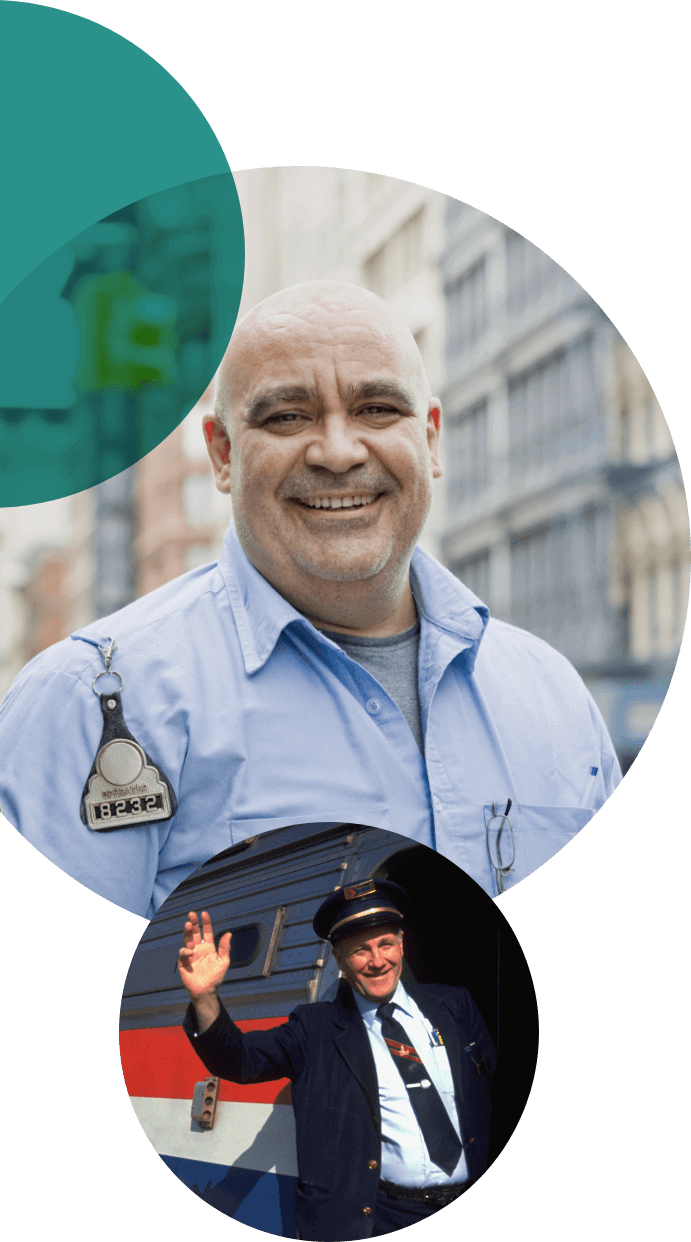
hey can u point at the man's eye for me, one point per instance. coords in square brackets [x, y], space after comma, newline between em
[379, 410]
[286, 418]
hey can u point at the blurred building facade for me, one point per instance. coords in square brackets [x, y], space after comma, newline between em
[561, 505]
[46, 577]
[564, 504]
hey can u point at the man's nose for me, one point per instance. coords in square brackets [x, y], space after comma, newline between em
[378, 958]
[336, 445]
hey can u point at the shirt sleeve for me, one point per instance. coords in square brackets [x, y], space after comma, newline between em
[250, 1056]
[50, 729]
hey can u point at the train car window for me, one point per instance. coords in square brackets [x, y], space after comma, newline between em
[244, 945]
[155, 968]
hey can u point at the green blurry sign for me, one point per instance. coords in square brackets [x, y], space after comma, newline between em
[127, 333]
[107, 344]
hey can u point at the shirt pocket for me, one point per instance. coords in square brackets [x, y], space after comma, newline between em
[536, 834]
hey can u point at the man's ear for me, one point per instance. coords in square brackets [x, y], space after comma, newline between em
[433, 430]
[218, 448]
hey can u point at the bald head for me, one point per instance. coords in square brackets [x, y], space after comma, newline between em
[314, 310]
[325, 434]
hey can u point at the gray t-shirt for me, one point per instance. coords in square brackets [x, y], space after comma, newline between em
[393, 661]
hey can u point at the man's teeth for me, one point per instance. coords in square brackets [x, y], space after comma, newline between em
[339, 502]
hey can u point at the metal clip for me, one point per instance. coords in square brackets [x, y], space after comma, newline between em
[477, 1060]
[107, 653]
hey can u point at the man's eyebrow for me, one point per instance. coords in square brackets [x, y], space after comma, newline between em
[371, 389]
[364, 944]
[282, 395]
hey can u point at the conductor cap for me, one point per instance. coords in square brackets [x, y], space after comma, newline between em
[366, 904]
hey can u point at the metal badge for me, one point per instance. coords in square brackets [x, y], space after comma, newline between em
[363, 889]
[124, 788]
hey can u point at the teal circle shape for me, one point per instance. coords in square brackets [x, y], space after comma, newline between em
[122, 253]
[108, 343]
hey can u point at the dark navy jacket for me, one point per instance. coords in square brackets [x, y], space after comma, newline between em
[325, 1051]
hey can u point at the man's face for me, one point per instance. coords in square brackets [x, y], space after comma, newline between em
[372, 961]
[333, 448]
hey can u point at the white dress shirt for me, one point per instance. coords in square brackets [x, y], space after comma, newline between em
[404, 1156]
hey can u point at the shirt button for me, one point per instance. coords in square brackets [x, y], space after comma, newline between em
[437, 804]
[372, 1164]
[366, 1211]
[373, 706]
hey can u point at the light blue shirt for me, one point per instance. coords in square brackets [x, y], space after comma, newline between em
[258, 721]
[404, 1156]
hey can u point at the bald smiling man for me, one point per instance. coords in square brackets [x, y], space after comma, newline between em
[325, 669]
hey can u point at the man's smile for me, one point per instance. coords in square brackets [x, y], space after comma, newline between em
[335, 503]
[352, 508]
[376, 978]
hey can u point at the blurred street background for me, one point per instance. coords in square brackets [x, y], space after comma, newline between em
[561, 505]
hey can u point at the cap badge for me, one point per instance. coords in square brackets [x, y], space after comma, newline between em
[363, 889]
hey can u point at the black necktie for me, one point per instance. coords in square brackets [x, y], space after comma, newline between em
[442, 1142]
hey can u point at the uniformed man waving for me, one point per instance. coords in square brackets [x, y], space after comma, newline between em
[391, 1084]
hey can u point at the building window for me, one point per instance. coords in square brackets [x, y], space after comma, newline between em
[467, 454]
[649, 427]
[530, 274]
[466, 310]
[625, 436]
[474, 573]
[559, 583]
[399, 259]
[653, 595]
[554, 411]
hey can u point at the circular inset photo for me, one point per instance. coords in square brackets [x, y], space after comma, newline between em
[329, 1032]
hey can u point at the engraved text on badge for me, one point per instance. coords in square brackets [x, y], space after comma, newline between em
[124, 789]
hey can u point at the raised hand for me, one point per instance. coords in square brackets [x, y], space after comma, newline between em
[201, 968]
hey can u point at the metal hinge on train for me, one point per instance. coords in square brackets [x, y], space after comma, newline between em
[273, 942]
[314, 983]
[204, 1102]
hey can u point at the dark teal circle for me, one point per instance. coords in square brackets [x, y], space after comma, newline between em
[122, 249]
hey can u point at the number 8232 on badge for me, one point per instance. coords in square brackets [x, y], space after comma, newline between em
[105, 811]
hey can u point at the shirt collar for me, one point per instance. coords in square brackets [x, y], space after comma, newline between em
[261, 614]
